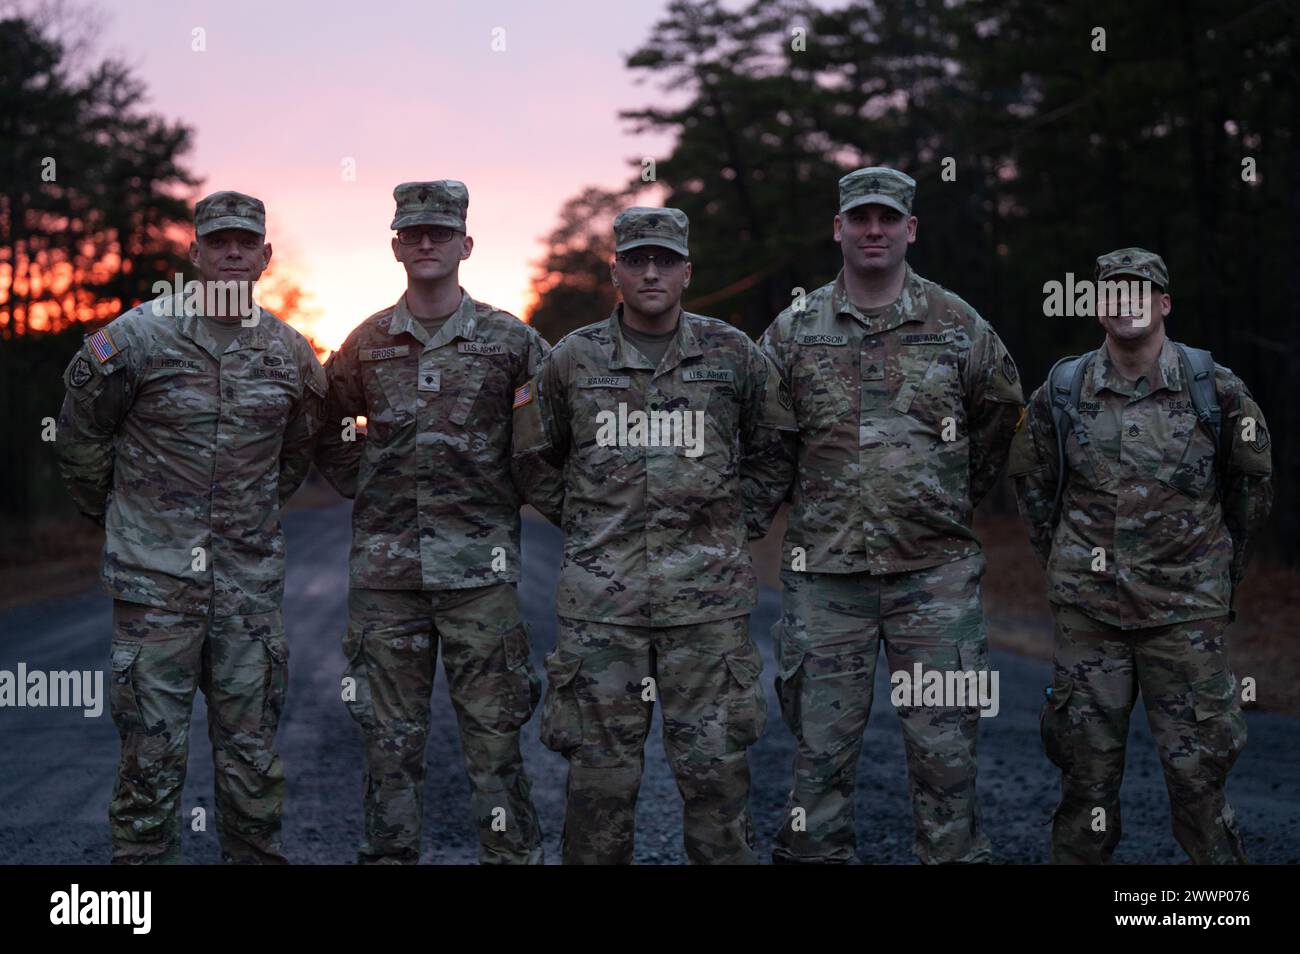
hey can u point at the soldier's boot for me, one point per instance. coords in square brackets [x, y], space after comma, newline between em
[825, 694]
[1203, 821]
[246, 678]
[1086, 740]
[713, 710]
[156, 661]
[495, 690]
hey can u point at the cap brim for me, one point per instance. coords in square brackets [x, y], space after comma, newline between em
[876, 200]
[1138, 275]
[230, 222]
[427, 218]
[656, 243]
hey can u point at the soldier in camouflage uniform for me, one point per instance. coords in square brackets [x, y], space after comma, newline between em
[656, 585]
[1141, 567]
[183, 432]
[435, 535]
[905, 400]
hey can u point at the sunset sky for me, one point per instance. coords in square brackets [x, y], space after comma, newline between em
[285, 92]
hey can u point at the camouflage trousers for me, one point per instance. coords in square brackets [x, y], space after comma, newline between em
[241, 664]
[603, 680]
[392, 650]
[827, 642]
[1191, 702]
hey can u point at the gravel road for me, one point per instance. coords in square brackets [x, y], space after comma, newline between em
[57, 766]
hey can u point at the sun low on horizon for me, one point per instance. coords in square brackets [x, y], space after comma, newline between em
[340, 292]
[323, 140]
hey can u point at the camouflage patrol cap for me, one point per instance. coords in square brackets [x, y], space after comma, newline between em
[444, 202]
[639, 226]
[1133, 261]
[229, 210]
[877, 184]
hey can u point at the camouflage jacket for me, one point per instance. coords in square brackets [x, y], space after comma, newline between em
[1143, 490]
[656, 534]
[435, 508]
[187, 454]
[904, 420]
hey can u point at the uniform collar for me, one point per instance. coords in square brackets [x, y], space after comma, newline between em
[1168, 371]
[622, 354]
[460, 325]
[908, 306]
[253, 337]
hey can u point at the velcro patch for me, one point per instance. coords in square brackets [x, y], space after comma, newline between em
[925, 338]
[102, 345]
[523, 395]
[166, 363]
[81, 372]
[834, 340]
[709, 374]
[605, 381]
[481, 347]
[383, 354]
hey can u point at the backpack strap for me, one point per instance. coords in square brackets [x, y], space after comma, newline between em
[1198, 372]
[1065, 385]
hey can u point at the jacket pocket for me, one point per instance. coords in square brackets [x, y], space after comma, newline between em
[356, 679]
[520, 688]
[275, 687]
[746, 703]
[1054, 722]
[561, 729]
[823, 692]
[123, 700]
[1220, 726]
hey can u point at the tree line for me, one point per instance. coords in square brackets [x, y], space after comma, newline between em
[1040, 135]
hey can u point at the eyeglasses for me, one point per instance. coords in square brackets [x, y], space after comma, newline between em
[638, 262]
[415, 235]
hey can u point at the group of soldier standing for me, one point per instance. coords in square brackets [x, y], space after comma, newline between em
[881, 406]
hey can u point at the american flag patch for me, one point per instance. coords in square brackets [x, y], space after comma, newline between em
[524, 394]
[101, 345]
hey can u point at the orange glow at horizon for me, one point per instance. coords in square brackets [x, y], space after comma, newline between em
[339, 295]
